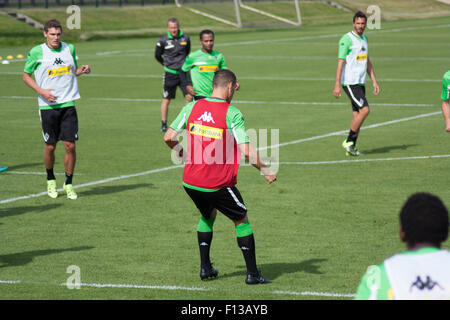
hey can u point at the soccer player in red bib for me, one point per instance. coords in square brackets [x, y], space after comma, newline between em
[216, 137]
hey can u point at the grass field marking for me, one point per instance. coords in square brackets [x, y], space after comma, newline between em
[34, 195]
[261, 148]
[319, 294]
[251, 102]
[10, 282]
[362, 160]
[34, 173]
[154, 76]
[376, 125]
[136, 286]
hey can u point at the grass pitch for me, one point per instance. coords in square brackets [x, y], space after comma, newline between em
[132, 231]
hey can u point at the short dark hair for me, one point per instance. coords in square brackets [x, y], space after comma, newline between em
[424, 219]
[359, 14]
[52, 24]
[206, 31]
[223, 77]
[173, 20]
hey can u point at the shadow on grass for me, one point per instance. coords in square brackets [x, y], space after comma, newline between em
[274, 270]
[23, 258]
[9, 212]
[114, 189]
[388, 149]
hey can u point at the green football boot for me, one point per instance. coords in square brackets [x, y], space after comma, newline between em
[51, 189]
[349, 146]
[71, 194]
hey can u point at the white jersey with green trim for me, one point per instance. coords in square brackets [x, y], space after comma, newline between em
[57, 71]
[419, 276]
[355, 68]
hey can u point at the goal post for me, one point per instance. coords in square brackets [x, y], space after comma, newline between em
[238, 13]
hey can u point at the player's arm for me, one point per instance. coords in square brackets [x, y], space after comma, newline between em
[371, 72]
[253, 157]
[337, 84]
[159, 51]
[446, 113]
[45, 93]
[185, 76]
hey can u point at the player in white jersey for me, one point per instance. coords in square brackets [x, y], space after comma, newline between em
[423, 271]
[55, 69]
[353, 65]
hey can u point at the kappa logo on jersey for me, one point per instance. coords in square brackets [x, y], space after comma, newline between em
[207, 117]
[428, 284]
[58, 71]
[58, 61]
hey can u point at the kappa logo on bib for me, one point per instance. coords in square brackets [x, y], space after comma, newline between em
[207, 68]
[361, 57]
[58, 71]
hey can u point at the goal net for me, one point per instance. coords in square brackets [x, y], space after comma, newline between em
[247, 13]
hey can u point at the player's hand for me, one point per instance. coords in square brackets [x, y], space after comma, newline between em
[47, 95]
[376, 89]
[85, 69]
[191, 91]
[337, 91]
[270, 178]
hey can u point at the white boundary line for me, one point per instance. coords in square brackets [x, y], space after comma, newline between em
[179, 166]
[320, 294]
[180, 288]
[360, 160]
[263, 78]
[248, 102]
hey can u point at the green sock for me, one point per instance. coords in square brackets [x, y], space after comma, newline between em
[204, 237]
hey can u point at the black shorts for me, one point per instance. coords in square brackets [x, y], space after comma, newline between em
[59, 124]
[227, 200]
[170, 83]
[357, 95]
[196, 98]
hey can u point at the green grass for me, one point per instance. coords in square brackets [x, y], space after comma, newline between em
[317, 228]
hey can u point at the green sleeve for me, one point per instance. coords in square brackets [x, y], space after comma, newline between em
[72, 52]
[377, 279]
[33, 58]
[222, 63]
[236, 125]
[179, 124]
[344, 47]
[187, 65]
[445, 95]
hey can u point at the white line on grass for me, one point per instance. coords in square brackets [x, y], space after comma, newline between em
[249, 102]
[361, 160]
[319, 294]
[35, 195]
[180, 166]
[262, 78]
[344, 131]
[180, 288]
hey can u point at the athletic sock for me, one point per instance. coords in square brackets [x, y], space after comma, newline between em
[68, 178]
[205, 236]
[352, 136]
[50, 174]
[246, 243]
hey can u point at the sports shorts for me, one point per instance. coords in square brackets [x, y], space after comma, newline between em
[357, 95]
[59, 124]
[227, 200]
[170, 83]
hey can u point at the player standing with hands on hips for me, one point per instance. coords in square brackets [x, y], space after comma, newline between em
[55, 69]
[353, 65]
[215, 139]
